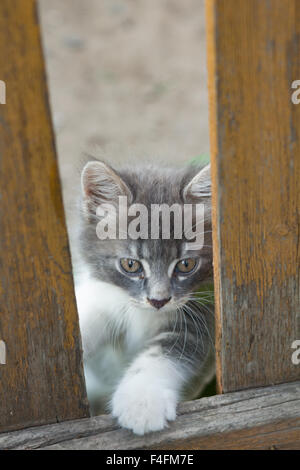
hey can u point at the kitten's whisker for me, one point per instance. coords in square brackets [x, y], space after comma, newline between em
[202, 319]
[202, 221]
[197, 330]
[177, 336]
[185, 336]
[184, 232]
[204, 301]
[201, 294]
[198, 303]
[208, 333]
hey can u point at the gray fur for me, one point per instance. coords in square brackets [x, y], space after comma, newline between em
[188, 335]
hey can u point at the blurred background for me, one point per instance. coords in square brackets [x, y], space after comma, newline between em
[127, 81]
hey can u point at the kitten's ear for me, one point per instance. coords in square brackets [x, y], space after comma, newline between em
[199, 188]
[101, 184]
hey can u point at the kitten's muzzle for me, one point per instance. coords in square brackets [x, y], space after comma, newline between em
[158, 303]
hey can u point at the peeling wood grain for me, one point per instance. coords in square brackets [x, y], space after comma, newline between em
[253, 58]
[261, 418]
[42, 380]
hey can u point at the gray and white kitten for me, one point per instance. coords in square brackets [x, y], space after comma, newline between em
[147, 333]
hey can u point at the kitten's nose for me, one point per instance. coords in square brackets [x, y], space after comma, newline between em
[158, 303]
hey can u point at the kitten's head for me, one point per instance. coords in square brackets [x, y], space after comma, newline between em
[158, 274]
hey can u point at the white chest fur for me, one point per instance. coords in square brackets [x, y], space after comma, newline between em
[113, 331]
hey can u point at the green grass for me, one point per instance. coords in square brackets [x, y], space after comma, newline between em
[202, 159]
[205, 293]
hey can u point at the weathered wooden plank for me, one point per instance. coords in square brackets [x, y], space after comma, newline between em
[253, 58]
[42, 379]
[261, 418]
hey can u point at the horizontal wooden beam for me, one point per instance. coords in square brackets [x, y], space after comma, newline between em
[263, 418]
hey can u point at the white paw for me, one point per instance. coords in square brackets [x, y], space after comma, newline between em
[142, 406]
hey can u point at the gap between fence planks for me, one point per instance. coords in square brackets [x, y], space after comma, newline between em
[42, 378]
[253, 58]
[264, 418]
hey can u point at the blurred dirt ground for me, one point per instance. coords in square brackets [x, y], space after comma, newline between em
[127, 80]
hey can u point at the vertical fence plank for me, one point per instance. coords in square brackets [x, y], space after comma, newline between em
[253, 58]
[41, 377]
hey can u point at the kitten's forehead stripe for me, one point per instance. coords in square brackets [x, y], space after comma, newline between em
[146, 267]
[139, 251]
[172, 266]
[134, 251]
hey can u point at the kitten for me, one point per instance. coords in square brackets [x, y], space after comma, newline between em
[147, 333]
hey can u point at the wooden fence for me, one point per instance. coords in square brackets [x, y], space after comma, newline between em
[253, 58]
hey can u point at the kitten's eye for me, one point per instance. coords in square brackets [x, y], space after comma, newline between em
[131, 266]
[185, 266]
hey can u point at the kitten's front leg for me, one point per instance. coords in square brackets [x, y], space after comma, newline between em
[148, 394]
